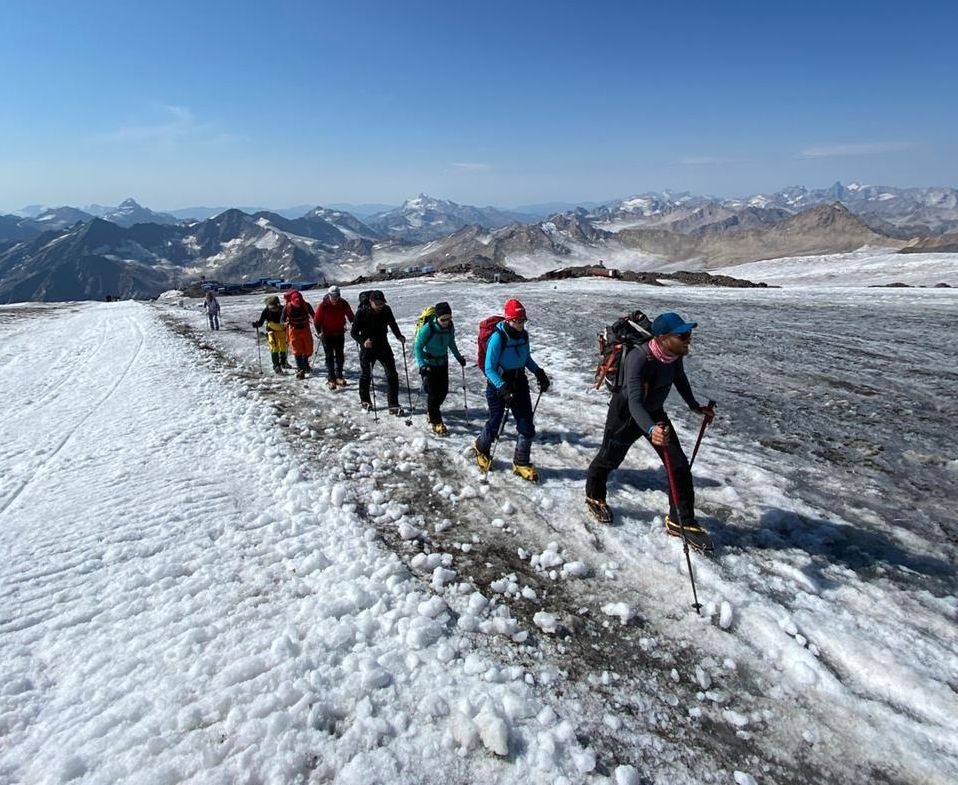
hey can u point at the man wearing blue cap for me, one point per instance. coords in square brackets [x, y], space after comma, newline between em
[637, 409]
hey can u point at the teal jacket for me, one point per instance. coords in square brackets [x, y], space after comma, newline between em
[433, 344]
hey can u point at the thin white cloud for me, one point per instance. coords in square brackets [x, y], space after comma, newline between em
[706, 160]
[472, 167]
[174, 125]
[855, 148]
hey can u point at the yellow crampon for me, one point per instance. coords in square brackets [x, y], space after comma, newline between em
[526, 471]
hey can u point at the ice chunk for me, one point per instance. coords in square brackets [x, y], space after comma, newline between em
[494, 732]
[408, 532]
[423, 632]
[575, 569]
[620, 609]
[545, 622]
[464, 730]
[626, 775]
[725, 616]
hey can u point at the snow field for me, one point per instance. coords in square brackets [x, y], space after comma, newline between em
[495, 617]
[195, 604]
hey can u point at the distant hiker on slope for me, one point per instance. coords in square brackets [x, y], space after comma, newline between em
[637, 409]
[504, 363]
[373, 317]
[297, 314]
[330, 323]
[212, 307]
[272, 317]
[434, 339]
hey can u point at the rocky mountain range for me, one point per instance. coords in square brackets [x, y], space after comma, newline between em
[423, 219]
[98, 258]
[131, 251]
[905, 212]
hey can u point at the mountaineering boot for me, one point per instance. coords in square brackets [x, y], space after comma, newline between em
[300, 374]
[526, 471]
[439, 428]
[331, 385]
[285, 361]
[278, 369]
[340, 382]
[397, 411]
[482, 458]
[599, 509]
[695, 534]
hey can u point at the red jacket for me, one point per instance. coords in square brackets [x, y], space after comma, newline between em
[330, 318]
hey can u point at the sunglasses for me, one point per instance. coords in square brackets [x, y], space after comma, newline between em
[518, 321]
[683, 336]
[444, 319]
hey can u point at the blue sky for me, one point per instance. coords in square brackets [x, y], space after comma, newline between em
[502, 103]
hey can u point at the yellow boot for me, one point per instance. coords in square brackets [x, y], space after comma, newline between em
[484, 461]
[526, 471]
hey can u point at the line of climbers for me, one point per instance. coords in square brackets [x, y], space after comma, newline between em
[640, 381]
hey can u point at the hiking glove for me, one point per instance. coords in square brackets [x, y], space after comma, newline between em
[424, 371]
[462, 361]
[707, 411]
[543, 380]
[255, 324]
[504, 393]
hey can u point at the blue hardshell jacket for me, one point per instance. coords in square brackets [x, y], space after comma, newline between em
[507, 353]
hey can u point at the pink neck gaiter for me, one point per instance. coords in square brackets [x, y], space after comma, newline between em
[660, 354]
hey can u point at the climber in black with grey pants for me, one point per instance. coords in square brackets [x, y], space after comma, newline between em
[637, 410]
[373, 317]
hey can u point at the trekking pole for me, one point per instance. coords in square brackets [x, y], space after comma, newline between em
[259, 352]
[674, 495]
[465, 403]
[405, 363]
[705, 421]
[372, 389]
[537, 402]
[492, 451]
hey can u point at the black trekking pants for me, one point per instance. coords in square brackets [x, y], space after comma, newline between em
[436, 386]
[384, 356]
[333, 349]
[621, 432]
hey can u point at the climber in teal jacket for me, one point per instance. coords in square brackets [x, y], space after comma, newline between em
[434, 340]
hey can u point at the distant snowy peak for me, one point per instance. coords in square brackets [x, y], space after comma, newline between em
[425, 218]
[129, 212]
[934, 207]
[345, 222]
[929, 209]
[61, 217]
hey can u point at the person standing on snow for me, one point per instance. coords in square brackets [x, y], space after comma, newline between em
[297, 314]
[369, 331]
[506, 360]
[330, 323]
[433, 342]
[212, 307]
[272, 317]
[637, 409]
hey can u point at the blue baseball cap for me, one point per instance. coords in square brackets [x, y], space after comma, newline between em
[669, 323]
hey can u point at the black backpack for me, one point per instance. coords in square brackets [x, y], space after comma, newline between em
[365, 297]
[617, 340]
